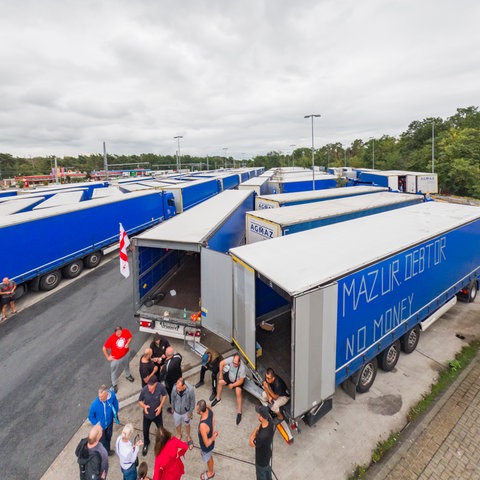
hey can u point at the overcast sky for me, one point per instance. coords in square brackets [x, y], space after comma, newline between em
[237, 75]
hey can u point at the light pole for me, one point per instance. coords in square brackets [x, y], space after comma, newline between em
[292, 146]
[225, 150]
[312, 115]
[177, 138]
[433, 146]
[373, 154]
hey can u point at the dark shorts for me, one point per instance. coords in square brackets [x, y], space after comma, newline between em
[6, 299]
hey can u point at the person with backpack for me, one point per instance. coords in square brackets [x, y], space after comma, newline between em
[92, 456]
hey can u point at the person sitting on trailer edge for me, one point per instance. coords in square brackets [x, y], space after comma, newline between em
[275, 392]
[232, 373]
[210, 361]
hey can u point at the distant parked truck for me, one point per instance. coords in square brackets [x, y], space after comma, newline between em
[297, 198]
[346, 298]
[276, 222]
[403, 181]
[60, 241]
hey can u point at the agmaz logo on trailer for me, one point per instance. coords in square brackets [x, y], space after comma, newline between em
[261, 230]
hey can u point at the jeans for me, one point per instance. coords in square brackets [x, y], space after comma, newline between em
[263, 473]
[116, 367]
[130, 473]
[107, 437]
[146, 427]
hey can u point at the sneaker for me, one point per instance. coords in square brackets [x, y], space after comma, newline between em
[212, 396]
[145, 450]
[239, 418]
[169, 410]
[111, 452]
[217, 400]
[198, 384]
[115, 388]
[130, 378]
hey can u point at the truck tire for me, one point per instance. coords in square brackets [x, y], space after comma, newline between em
[367, 376]
[20, 291]
[93, 260]
[389, 357]
[50, 280]
[72, 270]
[472, 291]
[410, 340]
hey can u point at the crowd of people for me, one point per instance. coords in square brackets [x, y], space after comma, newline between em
[161, 376]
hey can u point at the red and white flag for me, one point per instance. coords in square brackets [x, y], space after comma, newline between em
[124, 243]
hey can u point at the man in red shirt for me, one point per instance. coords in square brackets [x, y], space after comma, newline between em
[119, 355]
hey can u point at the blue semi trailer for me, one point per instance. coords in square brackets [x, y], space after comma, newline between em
[45, 245]
[275, 222]
[297, 198]
[172, 266]
[348, 297]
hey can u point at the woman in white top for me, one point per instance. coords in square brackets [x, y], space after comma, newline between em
[128, 453]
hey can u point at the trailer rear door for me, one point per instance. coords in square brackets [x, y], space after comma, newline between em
[216, 290]
[314, 330]
[244, 310]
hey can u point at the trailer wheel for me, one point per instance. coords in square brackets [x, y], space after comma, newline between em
[50, 280]
[389, 357]
[367, 376]
[472, 291]
[93, 260]
[410, 340]
[73, 269]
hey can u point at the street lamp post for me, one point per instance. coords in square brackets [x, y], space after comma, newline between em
[312, 115]
[373, 154]
[292, 146]
[177, 138]
[433, 146]
[225, 150]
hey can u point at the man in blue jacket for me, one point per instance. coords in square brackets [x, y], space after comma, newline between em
[102, 412]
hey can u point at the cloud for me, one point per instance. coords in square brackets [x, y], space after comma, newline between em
[236, 75]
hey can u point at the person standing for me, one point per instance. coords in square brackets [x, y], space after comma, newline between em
[103, 411]
[158, 346]
[171, 371]
[92, 456]
[233, 378]
[210, 361]
[117, 352]
[127, 453]
[183, 405]
[151, 400]
[147, 367]
[7, 291]
[261, 439]
[206, 437]
[275, 392]
[168, 450]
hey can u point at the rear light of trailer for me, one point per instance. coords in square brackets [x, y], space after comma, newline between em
[146, 323]
[196, 333]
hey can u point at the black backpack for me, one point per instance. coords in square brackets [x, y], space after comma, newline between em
[90, 462]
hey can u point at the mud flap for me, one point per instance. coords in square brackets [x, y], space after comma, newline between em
[314, 415]
[285, 431]
[350, 386]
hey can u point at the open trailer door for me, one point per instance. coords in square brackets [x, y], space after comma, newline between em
[314, 331]
[244, 310]
[216, 291]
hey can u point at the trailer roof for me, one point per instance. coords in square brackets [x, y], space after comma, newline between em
[302, 261]
[331, 208]
[14, 206]
[70, 197]
[195, 226]
[310, 194]
[253, 182]
[60, 210]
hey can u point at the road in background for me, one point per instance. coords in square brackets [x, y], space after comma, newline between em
[51, 364]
